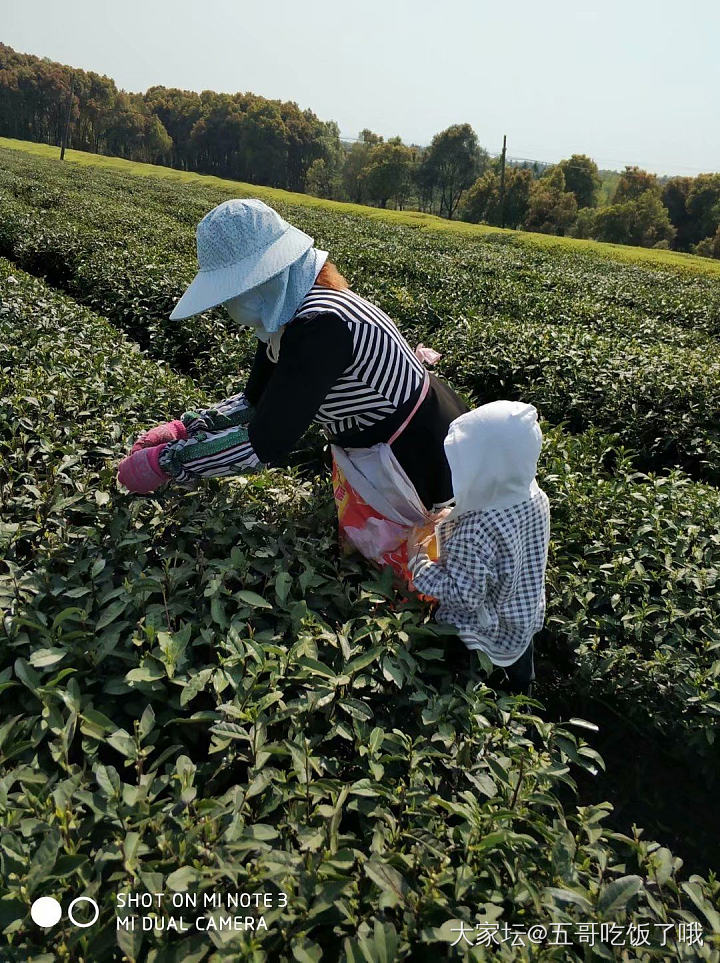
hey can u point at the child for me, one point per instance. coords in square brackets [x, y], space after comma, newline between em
[490, 574]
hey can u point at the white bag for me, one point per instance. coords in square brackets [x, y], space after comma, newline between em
[380, 480]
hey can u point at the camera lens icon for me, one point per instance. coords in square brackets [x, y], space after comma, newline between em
[46, 911]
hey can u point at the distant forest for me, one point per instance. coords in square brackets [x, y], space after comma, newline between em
[247, 137]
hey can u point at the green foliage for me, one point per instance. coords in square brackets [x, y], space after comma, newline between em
[644, 221]
[241, 135]
[703, 204]
[584, 223]
[483, 200]
[318, 180]
[452, 163]
[633, 183]
[592, 333]
[710, 247]
[387, 173]
[656, 259]
[551, 209]
[200, 692]
[674, 196]
[582, 178]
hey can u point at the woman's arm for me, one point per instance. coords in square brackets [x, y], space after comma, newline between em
[313, 354]
[210, 455]
[230, 413]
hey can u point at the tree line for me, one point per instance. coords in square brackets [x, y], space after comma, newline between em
[678, 213]
[247, 137]
[241, 136]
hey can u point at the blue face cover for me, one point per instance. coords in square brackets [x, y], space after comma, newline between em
[269, 306]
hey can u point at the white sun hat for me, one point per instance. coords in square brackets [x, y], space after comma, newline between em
[240, 244]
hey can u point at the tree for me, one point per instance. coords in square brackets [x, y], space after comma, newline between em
[651, 222]
[584, 225]
[216, 138]
[179, 111]
[131, 133]
[356, 160]
[482, 201]
[158, 143]
[552, 209]
[425, 184]
[319, 180]
[332, 154]
[710, 246]
[703, 205]
[582, 179]
[264, 143]
[644, 222]
[613, 224]
[633, 182]
[452, 163]
[368, 137]
[237, 135]
[386, 173]
[674, 196]
[517, 196]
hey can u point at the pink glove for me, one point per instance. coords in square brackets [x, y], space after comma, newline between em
[140, 472]
[427, 355]
[169, 431]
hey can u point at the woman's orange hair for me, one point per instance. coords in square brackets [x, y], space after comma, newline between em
[330, 277]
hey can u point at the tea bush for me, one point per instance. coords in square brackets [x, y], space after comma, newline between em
[200, 694]
[588, 341]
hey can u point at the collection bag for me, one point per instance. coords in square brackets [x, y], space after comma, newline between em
[378, 506]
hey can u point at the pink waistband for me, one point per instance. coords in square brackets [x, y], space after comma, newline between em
[423, 394]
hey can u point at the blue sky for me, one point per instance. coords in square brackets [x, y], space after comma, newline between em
[625, 81]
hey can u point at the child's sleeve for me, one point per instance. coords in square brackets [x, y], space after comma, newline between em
[460, 577]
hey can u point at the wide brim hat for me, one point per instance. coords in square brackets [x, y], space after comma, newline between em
[240, 244]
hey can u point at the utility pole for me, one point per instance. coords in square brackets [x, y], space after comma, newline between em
[502, 183]
[67, 122]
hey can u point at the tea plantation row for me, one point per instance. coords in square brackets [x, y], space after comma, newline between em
[563, 332]
[688, 299]
[642, 623]
[193, 698]
[643, 633]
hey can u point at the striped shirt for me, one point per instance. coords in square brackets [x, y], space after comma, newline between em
[366, 376]
[384, 372]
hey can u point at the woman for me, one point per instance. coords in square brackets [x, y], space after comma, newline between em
[324, 354]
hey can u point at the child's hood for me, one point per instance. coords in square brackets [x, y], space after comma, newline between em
[492, 452]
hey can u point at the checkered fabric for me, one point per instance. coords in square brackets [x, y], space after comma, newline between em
[490, 577]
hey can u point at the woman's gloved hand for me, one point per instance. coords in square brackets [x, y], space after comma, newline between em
[168, 431]
[140, 472]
